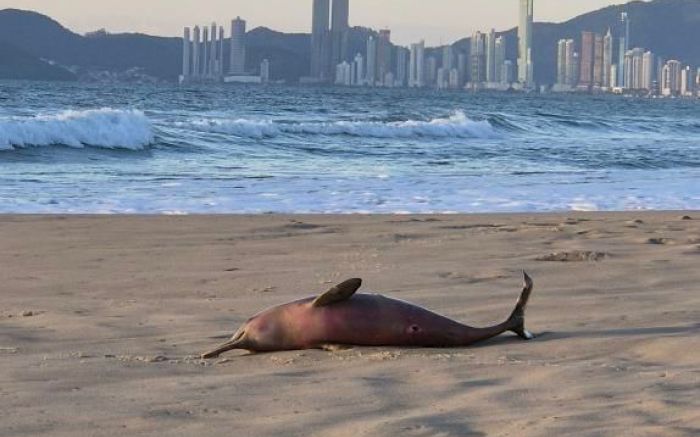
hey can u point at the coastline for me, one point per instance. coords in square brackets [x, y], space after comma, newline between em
[103, 317]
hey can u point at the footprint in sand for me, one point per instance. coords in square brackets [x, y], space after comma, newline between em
[574, 256]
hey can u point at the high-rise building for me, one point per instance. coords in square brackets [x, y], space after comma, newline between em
[525, 28]
[196, 53]
[213, 51]
[462, 68]
[416, 73]
[499, 59]
[384, 54]
[478, 59]
[508, 72]
[587, 54]
[598, 61]
[186, 55]
[320, 39]
[624, 32]
[491, 57]
[402, 66]
[221, 66]
[340, 31]
[358, 70]
[697, 82]
[205, 52]
[265, 71]
[571, 64]
[371, 77]
[648, 69]
[607, 58]
[671, 78]
[237, 65]
[448, 60]
[561, 62]
[431, 68]
[687, 82]
[634, 69]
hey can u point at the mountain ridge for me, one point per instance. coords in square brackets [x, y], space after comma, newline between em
[667, 27]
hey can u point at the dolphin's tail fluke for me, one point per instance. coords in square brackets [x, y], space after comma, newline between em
[517, 319]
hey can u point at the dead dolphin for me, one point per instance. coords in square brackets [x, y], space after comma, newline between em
[341, 317]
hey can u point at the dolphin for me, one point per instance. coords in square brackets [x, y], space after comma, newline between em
[342, 317]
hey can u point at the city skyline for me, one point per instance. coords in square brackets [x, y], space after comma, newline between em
[415, 23]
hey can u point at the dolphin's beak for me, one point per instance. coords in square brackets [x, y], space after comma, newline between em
[237, 342]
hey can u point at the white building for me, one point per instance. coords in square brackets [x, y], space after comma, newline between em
[358, 70]
[265, 71]
[607, 59]
[648, 68]
[671, 78]
[687, 82]
[525, 28]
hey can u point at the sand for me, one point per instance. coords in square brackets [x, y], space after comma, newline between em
[102, 320]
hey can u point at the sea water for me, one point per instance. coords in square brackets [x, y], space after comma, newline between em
[77, 148]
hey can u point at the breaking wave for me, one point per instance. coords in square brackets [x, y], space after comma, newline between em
[456, 126]
[105, 128]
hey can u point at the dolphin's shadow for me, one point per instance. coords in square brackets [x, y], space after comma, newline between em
[601, 333]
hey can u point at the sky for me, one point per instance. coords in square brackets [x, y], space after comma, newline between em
[436, 21]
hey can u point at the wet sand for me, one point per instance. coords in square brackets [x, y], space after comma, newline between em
[102, 320]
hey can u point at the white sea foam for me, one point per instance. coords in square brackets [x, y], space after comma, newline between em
[106, 128]
[456, 126]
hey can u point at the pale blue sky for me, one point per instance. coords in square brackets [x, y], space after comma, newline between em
[435, 20]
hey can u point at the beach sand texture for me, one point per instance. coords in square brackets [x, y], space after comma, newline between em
[102, 320]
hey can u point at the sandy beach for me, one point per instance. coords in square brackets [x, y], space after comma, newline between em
[102, 320]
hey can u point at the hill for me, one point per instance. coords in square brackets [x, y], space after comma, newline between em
[670, 28]
[17, 64]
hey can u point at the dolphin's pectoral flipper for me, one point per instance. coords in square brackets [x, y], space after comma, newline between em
[517, 319]
[338, 293]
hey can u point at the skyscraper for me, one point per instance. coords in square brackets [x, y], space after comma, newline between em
[383, 55]
[491, 57]
[371, 77]
[238, 47]
[525, 61]
[340, 27]
[598, 60]
[561, 62]
[648, 68]
[607, 58]
[416, 73]
[587, 53]
[671, 78]
[478, 59]
[213, 51]
[499, 58]
[205, 52]
[624, 33]
[320, 35]
[186, 54]
[402, 61]
[448, 60]
[196, 53]
[571, 64]
[687, 82]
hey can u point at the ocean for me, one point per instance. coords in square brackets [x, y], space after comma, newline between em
[77, 148]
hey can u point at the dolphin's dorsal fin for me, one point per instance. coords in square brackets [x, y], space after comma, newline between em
[338, 293]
